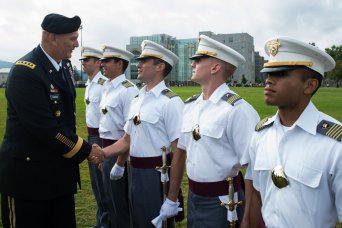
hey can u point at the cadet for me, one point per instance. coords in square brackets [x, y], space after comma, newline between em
[154, 122]
[117, 95]
[296, 155]
[91, 66]
[40, 152]
[215, 133]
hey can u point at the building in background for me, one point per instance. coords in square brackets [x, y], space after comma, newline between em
[259, 64]
[185, 48]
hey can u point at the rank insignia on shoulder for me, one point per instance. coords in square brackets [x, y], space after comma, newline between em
[169, 93]
[100, 81]
[127, 84]
[330, 129]
[262, 125]
[231, 98]
[26, 63]
[192, 98]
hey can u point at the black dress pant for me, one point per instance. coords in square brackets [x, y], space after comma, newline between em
[22, 213]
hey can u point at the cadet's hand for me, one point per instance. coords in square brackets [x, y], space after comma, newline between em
[117, 172]
[96, 155]
[169, 209]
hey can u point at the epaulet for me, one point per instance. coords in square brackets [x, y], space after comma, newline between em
[169, 93]
[127, 84]
[231, 98]
[330, 129]
[260, 126]
[26, 63]
[192, 98]
[101, 81]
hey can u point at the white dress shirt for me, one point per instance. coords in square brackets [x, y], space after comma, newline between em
[116, 100]
[312, 163]
[160, 121]
[225, 132]
[93, 97]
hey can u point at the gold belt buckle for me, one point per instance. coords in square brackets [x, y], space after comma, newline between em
[279, 177]
[195, 133]
[136, 119]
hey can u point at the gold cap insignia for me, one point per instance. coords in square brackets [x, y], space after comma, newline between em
[103, 48]
[273, 46]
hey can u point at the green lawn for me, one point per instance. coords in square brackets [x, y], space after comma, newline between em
[328, 100]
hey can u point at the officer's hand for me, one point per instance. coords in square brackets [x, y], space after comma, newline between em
[96, 155]
[169, 209]
[117, 172]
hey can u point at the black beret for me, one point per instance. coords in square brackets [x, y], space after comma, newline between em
[59, 24]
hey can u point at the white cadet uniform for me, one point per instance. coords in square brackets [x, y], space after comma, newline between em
[92, 100]
[117, 95]
[312, 162]
[225, 125]
[161, 121]
[160, 112]
[225, 132]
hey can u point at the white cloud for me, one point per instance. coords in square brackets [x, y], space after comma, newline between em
[113, 22]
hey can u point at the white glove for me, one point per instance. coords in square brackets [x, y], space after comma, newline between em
[117, 172]
[169, 209]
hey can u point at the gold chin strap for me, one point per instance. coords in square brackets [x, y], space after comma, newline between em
[289, 63]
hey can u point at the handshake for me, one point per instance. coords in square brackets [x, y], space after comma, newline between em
[96, 155]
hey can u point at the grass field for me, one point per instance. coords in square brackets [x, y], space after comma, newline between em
[328, 100]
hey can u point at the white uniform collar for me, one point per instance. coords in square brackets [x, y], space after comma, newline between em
[54, 63]
[95, 79]
[308, 120]
[116, 81]
[156, 90]
[217, 94]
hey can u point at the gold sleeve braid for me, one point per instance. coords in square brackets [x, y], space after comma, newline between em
[75, 147]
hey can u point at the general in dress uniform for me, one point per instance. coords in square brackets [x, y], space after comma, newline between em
[91, 66]
[40, 153]
[296, 155]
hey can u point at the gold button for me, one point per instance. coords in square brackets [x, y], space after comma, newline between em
[58, 113]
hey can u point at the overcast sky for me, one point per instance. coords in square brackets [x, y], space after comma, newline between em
[112, 22]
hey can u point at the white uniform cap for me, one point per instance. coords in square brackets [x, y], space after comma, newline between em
[88, 52]
[113, 52]
[151, 49]
[212, 48]
[287, 53]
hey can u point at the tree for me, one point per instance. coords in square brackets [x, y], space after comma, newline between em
[243, 80]
[336, 53]
[77, 76]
